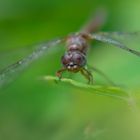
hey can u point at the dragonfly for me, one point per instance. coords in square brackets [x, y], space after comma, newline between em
[75, 58]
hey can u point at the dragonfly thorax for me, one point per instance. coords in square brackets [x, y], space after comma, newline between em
[77, 43]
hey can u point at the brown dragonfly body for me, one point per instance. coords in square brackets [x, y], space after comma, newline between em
[74, 60]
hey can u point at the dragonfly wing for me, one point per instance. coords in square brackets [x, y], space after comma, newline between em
[10, 72]
[106, 39]
[120, 34]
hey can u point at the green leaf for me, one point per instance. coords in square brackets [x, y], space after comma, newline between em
[111, 91]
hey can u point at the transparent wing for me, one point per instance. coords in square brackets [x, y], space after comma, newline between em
[109, 38]
[120, 34]
[10, 56]
[128, 38]
[9, 73]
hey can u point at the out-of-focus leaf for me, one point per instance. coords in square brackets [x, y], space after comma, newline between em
[111, 91]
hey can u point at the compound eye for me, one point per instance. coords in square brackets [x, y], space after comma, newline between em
[79, 59]
[65, 59]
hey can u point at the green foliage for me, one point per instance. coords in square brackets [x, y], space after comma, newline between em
[111, 91]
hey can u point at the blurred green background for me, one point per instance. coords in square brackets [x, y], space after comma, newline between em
[33, 109]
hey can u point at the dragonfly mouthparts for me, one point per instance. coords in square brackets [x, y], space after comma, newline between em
[73, 67]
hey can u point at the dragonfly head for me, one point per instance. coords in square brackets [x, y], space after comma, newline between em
[73, 61]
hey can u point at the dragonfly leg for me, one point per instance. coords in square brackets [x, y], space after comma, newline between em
[87, 74]
[59, 73]
[102, 74]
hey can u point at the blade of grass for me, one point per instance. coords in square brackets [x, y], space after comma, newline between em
[111, 91]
